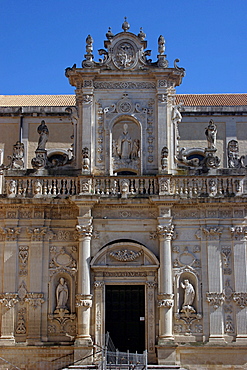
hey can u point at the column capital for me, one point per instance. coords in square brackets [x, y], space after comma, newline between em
[166, 232]
[85, 231]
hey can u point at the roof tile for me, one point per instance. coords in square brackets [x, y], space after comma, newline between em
[69, 100]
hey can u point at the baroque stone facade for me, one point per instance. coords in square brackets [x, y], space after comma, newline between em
[137, 187]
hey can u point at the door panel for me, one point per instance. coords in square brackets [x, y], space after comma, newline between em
[125, 311]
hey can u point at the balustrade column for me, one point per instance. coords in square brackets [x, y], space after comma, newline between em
[84, 298]
[165, 296]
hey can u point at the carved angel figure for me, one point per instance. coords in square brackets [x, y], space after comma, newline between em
[62, 294]
[189, 293]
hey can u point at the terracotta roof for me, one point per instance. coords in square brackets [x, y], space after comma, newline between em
[69, 100]
[37, 100]
[212, 100]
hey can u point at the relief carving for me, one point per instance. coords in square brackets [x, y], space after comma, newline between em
[166, 232]
[83, 300]
[8, 299]
[125, 255]
[10, 233]
[21, 322]
[165, 300]
[62, 259]
[210, 233]
[215, 299]
[240, 298]
[239, 232]
[23, 260]
[37, 233]
[85, 231]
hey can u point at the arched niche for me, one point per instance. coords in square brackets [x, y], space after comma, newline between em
[54, 282]
[187, 273]
[126, 145]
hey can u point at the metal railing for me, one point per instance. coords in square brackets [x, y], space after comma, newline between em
[116, 360]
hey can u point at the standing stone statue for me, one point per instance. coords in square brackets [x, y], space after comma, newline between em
[124, 143]
[189, 293]
[62, 294]
[43, 135]
[210, 133]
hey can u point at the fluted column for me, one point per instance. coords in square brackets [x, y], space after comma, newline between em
[165, 303]
[83, 297]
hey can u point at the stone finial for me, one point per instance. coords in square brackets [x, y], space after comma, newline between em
[109, 34]
[141, 34]
[125, 25]
[88, 62]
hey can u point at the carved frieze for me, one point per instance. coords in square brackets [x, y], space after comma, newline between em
[124, 85]
[126, 255]
[125, 274]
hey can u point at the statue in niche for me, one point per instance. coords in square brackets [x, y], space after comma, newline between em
[189, 294]
[43, 135]
[62, 295]
[124, 145]
[135, 149]
[210, 133]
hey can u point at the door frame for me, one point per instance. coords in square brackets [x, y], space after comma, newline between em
[142, 272]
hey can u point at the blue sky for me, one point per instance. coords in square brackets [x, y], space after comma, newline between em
[39, 39]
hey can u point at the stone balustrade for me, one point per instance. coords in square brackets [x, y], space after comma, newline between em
[167, 185]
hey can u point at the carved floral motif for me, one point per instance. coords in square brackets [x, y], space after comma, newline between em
[85, 231]
[210, 233]
[165, 300]
[83, 300]
[10, 233]
[215, 299]
[125, 255]
[37, 233]
[8, 299]
[23, 260]
[240, 298]
[239, 232]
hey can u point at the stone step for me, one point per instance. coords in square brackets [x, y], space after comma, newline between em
[118, 367]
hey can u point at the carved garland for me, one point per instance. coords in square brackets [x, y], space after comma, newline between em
[125, 255]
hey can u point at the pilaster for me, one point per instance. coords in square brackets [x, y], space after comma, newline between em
[165, 231]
